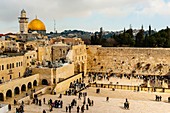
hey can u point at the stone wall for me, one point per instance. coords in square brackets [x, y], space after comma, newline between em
[45, 74]
[59, 51]
[141, 61]
[64, 72]
[44, 53]
[64, 85]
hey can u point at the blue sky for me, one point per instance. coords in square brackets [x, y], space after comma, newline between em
[88, 15]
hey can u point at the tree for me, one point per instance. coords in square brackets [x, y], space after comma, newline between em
[150, 30]
[140, 39]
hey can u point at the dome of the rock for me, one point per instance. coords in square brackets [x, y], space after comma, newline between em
[36, 25]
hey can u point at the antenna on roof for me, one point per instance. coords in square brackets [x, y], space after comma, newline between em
[54, 26]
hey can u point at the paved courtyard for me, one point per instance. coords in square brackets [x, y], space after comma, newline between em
[140, 102]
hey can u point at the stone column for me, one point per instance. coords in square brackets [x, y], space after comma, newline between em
[19, 90]
[13, 93]
[164, 85]
[4, 96]
[148, 83]
[52, 76]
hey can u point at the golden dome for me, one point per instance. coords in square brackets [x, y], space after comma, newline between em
[36, 25]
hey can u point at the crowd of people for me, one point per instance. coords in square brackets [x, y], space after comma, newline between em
[80, 108]
[158, 98]
[20, 109]
[82, 103]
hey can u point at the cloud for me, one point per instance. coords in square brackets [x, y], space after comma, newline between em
[60, 9]
[48, 10]
[156, 8]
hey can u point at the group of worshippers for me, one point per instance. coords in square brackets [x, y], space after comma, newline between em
[73, 90]
[85, 105]
[57, 104]
[20, 109]
[158, 98]
[37, 101]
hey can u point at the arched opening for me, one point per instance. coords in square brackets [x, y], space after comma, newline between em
[77, 81]
[1, 97]
[23, 87]
[35, 83]
[9, 93]
[16, 91]
[29, 85]
[44, 82]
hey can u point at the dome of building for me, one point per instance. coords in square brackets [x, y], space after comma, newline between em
[36, 25]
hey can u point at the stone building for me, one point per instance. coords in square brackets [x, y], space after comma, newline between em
[12, 72]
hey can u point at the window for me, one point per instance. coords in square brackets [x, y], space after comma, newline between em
[7, 66]
[27, 57]
[19, 74]
[17, 64]
[30, 56]
[21, 63]
[2, 67]
[82, 57]
[27, 64]
[10, 76]
[12, 65]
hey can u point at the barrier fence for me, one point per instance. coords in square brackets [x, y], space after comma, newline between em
[129, 87]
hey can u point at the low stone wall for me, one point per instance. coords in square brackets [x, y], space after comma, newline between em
[133, 88]
[43, 90]
[3, 108]
[64, 85]
[25, 100]
[39, 92]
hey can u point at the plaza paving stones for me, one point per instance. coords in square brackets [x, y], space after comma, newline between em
[140, 102]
